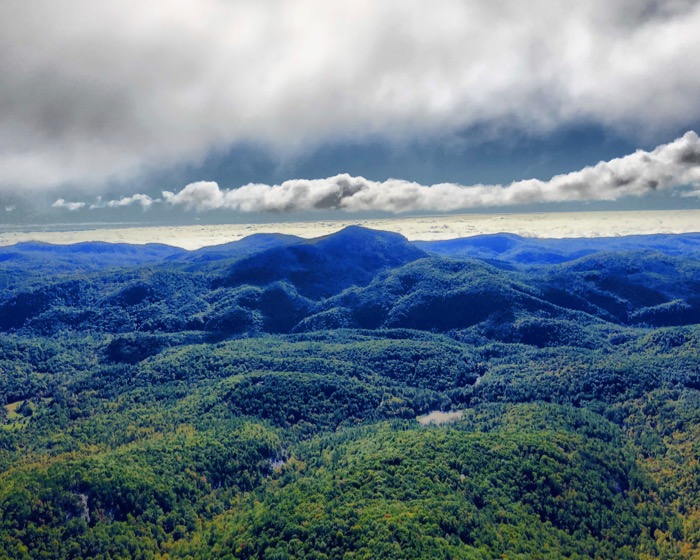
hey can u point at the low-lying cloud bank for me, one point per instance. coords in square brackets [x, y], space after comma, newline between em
[142, 200]
[71, 206]
[669, 166]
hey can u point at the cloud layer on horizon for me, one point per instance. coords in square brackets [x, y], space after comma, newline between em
[669, 166]
[101, 90]
[70, 206]
[142, 200]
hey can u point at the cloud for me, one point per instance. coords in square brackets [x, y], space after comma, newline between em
[202, 195]
[668, 166]
[143, 200]
[72, 206]
[106, 89]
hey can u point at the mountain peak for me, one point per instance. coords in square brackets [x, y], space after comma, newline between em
[327, 265]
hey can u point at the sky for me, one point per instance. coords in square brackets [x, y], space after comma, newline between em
[233, 111]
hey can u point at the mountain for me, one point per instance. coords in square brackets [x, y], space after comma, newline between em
[440, 294]
[46, 258]
[509, 248]
[629, 287]
[245, 247]
[351, 396]
[355, 278]
[324, 266]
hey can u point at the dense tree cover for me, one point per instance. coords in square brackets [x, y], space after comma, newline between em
[211, 405]
[446, 493]
[197, 449]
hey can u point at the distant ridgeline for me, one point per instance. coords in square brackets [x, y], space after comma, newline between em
[356, 278]
[259, 399]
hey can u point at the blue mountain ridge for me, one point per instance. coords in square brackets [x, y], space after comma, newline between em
[514, 249]
[357, 278]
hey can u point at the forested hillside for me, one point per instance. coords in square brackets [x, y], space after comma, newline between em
[268, 399]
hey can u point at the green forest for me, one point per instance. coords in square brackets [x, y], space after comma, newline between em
[272, 399]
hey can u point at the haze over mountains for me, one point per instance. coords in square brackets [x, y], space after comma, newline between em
[576, 224]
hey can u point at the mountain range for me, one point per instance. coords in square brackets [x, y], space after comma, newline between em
[355, 278]
[351, 396]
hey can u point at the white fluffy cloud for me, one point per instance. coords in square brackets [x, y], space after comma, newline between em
[142, 200]
[72, 206]
[668, 166]
[92, 91]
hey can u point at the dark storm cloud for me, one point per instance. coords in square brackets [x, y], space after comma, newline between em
[93, 91]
